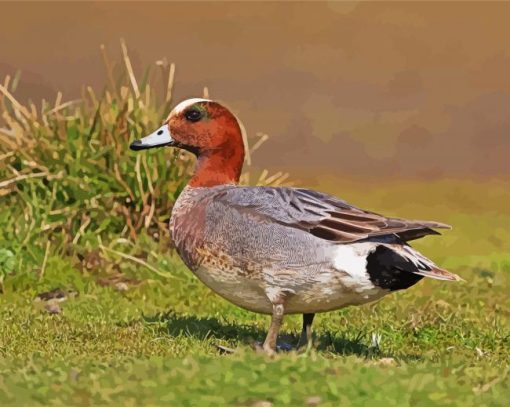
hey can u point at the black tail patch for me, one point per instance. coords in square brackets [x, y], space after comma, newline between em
[390, 270]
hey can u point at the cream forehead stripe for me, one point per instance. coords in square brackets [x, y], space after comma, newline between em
[187, 103]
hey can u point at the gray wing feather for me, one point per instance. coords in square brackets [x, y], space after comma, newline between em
[320, 214]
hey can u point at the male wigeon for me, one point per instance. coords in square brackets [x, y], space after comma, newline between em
[279, 250]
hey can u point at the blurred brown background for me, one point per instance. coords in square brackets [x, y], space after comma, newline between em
[361, 89]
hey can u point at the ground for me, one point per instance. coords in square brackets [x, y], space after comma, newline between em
[147, 336]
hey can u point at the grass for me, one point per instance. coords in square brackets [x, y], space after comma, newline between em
[137, 327]
[154, 343]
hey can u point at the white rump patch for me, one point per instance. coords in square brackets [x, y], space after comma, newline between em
[352, 260]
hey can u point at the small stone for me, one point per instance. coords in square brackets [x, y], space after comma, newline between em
[257, 403]
[313, 401]
[442, 304]
[53, 308]
[121, 286]
[261, 403]
[56, 294]
[387, 362]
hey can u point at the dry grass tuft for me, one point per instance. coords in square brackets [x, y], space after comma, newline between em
[66, 172]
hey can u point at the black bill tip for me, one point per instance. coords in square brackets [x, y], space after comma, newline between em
[137, 145]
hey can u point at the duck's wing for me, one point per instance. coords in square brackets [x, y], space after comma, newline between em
[320, 214]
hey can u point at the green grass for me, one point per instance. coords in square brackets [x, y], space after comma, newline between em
[139, 329]
[438, 344]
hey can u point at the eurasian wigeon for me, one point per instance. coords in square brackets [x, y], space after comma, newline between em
[279, 250]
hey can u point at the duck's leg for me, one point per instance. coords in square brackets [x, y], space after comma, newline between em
[276, 322]
[306, 333]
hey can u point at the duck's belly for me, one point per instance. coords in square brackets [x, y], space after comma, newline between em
[239, 290]
[325, 291]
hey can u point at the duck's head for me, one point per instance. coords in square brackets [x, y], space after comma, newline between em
[211, 132]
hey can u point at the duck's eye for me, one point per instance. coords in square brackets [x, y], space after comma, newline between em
[193, 115]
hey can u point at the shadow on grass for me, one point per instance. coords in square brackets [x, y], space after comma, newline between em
[203, 328]
[344, 346]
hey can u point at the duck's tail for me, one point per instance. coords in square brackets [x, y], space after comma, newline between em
[424, 267]
[439, 274]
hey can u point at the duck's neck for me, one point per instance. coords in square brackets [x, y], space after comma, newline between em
[218, 167]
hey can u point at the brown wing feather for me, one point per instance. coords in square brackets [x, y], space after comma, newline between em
[346, 223]
[322, 215]
[348, 229]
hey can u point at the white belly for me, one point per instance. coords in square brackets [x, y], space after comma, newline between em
[239, 290]
[326, 290]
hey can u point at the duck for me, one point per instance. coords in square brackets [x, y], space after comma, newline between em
[280, 250]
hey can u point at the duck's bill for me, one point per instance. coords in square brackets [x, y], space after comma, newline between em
[161, 137]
